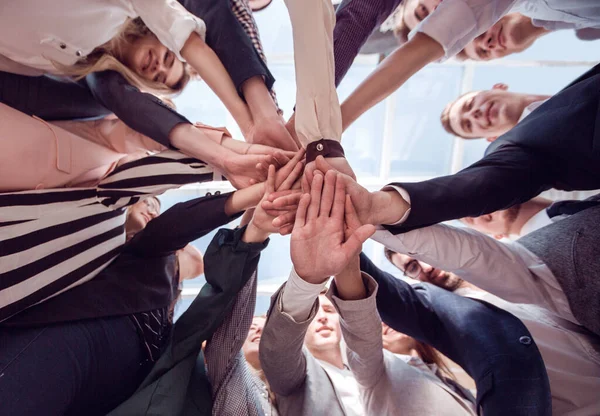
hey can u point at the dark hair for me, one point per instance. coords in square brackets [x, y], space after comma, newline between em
[430, 355]
[388, 254]
[445, 117]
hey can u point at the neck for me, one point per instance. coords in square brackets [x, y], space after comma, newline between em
[332, 356]
[527, 211]
[528, 99]
[530, 31]
[466, 285]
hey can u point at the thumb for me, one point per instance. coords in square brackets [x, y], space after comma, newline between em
[353, 244]
[322, 165]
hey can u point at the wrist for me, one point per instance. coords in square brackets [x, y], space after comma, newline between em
[388, 207]
[244, 199]
[253, 234]
[308, 276]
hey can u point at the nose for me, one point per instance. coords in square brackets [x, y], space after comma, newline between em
[427, 268]
[437, 3]
[489, 40]
[322, 318]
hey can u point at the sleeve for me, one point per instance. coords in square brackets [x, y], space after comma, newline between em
[505, 177]
[181, 224]
[170, 22]
[227, 37]
[481, 260]
[355, 22]
[298, 297]
[281, 354]
[142, 112]
[361, 330]
[455, 23]
[226, 366]
[318, 114]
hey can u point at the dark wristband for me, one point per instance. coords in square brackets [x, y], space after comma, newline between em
[325, 148]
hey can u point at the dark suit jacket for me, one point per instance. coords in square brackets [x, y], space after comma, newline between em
[100, 94]
[492, 345]
[177, 384]
[556, 146]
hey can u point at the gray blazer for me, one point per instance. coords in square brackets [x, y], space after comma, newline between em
[388, 385]
[301, 385]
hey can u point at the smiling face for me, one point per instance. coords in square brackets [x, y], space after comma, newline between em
[512, 33]
[140, 214]
[396, 342]
[324, 332]
[151, 60]
[251, 345]
[489, 113]
[426, 273]
[497, 224]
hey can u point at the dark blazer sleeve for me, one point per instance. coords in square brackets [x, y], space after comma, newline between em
[355, 21]
[226, 36]
[143, 112]
[509, 175]
[177, 380]
[182, 224]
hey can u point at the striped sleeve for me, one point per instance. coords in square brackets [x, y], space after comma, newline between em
[54, 239]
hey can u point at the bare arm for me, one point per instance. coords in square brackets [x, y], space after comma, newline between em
[394, 71]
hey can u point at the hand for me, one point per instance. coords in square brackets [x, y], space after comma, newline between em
[381, 207]
[271, 131]
[338, 163]
[319, 248]
[282, 182]
[245, 170]
[243, 148]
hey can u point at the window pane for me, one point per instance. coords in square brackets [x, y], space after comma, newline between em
[420, 146]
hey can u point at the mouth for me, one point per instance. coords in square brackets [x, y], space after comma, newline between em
[488, 114]
[324, 328]
[255, 340]
[146, 217]
[438, 276]
[501, 40]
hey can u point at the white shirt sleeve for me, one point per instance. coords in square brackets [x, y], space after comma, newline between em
[455, 23]
[318, 114]
[404, 196]
[506, 270]
[170, 22]
[298, 297]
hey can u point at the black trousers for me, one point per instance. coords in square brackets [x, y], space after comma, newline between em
[81, 368]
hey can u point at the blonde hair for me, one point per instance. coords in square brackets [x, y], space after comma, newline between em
[109, 56]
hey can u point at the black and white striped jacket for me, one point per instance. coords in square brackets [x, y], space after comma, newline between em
[55, 239]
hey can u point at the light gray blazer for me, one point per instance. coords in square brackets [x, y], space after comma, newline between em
[301, 385]
[388, 385]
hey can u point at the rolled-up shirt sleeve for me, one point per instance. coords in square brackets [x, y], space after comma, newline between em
[318, 114]
[455, 23]
[170, 22]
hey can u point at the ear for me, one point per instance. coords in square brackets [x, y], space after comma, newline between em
[491, 139]
[500, 86]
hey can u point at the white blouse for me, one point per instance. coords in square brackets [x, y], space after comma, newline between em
[455, 23]
[35, 33]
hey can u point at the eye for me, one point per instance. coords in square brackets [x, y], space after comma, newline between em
[412, 268]
[421, 12]
[468, 125]
[483, 53]
[470, 104]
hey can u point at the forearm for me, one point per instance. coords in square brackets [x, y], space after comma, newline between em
[244, 199]
[389, 75]
[349, 283]
[203, 59]
[259, 99]
[195, 143]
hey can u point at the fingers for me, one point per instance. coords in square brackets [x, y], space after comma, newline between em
[287, 218]
[301, 213]
[339, 201]
[304, 183]
[287, 229]
[350, 215]
[315, 197]
[280, 158]
[329, 187]
[270, 184]
[292, 178]
[353, 245]
[322, 165]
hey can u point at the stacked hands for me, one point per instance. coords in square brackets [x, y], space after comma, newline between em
[319, 208]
